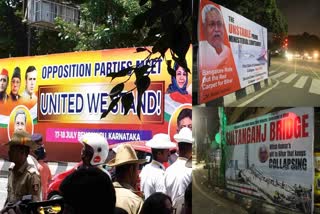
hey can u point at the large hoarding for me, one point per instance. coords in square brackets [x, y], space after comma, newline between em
[232, 51]
[62, 96]
[271, 158]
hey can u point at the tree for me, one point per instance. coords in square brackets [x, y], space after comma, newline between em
[263, 12]
[13, 37]
[103, 24]
[166, 26]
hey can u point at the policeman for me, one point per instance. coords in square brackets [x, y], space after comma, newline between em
[23, 178]
[152, 175]
[178, 176]
[126, 165]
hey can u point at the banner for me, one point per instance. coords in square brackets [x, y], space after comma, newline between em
[62, 96]
[271, 158]
[232, 51]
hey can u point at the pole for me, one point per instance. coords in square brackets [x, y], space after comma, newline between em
[223, 125]
[29, 38]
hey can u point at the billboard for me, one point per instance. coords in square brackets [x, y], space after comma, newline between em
[232, 51]
[62, 96]
[271, 158]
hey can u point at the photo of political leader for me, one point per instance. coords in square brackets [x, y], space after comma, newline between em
[31, 80]
[4, 79]
[213, 50]
[15, 84]
[20, 120]
[178, 88]
[181, 117]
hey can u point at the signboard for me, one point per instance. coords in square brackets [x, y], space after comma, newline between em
[271, 158]
[62, 96]
[232, 51]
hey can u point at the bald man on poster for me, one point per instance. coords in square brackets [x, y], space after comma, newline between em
[213, 52]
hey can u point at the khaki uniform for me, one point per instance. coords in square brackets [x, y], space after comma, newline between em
[127, 199]
[23, 181]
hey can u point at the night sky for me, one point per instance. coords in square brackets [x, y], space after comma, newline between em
[302, 15]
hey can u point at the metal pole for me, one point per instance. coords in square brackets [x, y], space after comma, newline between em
[29, 38]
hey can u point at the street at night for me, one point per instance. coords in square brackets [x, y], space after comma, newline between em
[296, 82]
[205, 200]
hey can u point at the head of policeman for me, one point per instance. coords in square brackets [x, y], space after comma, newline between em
[19, 147]
[95, 149]
[40, 152]
[126, 164]
[184, 139]
[160, 145]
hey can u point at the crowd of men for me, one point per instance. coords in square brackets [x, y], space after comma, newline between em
[90, 188]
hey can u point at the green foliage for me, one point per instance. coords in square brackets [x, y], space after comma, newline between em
[13, 37]
[264, 12]
[164, 25]
[104, 24]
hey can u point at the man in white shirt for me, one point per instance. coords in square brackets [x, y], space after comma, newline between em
[177, 176]
[152, 175]
[212, 52]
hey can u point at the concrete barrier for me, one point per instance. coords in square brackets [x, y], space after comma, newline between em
[55, 167]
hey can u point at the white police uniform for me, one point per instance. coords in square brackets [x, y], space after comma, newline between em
[177, 176]
[152, 178]
[176, 179]
[152, 175]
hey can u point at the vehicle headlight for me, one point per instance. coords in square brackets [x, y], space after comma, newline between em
[289, 55]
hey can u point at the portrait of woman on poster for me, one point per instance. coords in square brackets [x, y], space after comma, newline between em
[178, 88]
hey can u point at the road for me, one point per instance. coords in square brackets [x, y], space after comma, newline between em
[205, 201]
[297, 83]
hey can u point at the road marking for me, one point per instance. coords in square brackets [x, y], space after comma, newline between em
[301, 82]
[313, 71]
[315, 86]
[289, 78]
[276, 69]
[278, 75]
[259, 95]
[295, 66]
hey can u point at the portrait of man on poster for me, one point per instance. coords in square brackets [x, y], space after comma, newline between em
[213, 52]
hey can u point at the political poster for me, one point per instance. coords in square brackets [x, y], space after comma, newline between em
[232, 51]
[271, 158]
[62, 96]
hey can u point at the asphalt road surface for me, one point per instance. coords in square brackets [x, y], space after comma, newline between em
[205, 201]
[297, 83]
